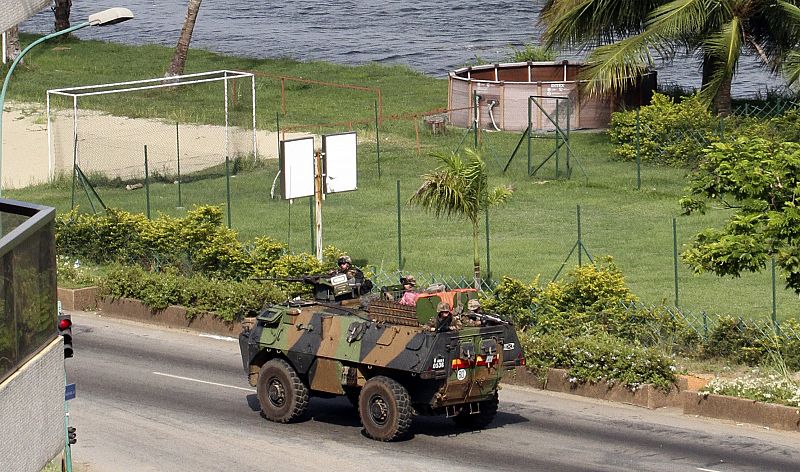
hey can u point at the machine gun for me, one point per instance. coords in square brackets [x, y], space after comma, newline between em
[486, 318]
[330, 288]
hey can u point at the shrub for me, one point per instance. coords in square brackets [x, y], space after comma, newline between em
[670, 132]
[732, 339]
[532, 53]
[770, 388]
[599, 357]
[228, 300]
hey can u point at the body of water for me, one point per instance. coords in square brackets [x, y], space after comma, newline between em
[431, 37]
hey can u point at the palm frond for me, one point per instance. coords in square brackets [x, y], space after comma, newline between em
[791, 67]
[615, 66]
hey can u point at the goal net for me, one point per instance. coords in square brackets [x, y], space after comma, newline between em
[189, 124]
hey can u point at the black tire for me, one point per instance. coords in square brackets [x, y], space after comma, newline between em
[385, 409]
[480, 420]
[281, 392]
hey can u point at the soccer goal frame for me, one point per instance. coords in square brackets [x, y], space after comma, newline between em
[76, 93]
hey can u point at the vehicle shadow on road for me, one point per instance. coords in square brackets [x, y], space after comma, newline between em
[339, 412]
[439, 426]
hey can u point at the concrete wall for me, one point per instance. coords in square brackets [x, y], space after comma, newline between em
[32, 412]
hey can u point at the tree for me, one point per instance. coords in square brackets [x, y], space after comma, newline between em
[760, 180]
[178, 63]
[13, 48]
[460, 188]
[628, 31]
[61, 10]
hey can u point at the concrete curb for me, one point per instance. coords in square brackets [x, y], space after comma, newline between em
[683, 395]
[742, 410]
[557, 380]
[88, 299]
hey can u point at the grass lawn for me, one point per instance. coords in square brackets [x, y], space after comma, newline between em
[531, 235]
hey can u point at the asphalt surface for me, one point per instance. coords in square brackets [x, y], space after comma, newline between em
[153, 399]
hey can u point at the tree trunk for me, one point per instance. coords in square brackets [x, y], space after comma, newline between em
[12, 44]
[61, 10]
[476, 260]
[722, 100]
[178, 62]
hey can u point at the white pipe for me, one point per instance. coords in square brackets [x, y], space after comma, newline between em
[75, 131]
[255, 139]
[234, 74]
[227, 151]
[50, 157]
[491, 115]
[5, 58]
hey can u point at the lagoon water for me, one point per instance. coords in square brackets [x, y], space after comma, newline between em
[431, 37]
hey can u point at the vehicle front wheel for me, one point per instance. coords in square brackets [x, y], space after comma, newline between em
[385, 409]
[281, 392]
[480, 420]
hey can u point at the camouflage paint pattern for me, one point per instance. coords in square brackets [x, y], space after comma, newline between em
[336, 347]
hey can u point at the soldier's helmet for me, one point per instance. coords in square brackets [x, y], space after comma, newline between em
[408, 280]
[345, 260]
[473, 304]
[443, 307]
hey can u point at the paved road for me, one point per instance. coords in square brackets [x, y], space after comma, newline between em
[152, 399]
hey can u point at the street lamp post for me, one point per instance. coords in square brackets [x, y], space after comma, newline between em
[111, 16]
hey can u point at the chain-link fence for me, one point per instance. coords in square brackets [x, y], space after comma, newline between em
[702, 323]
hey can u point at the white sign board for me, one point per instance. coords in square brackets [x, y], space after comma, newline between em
[297, 168]
[340, 167]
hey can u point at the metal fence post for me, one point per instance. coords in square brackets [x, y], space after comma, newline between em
[146, 182]
[774, 299]
[399, 231]
[580, 240]
[228, 188]
[178, 154]
[638, 152]
[378, 139]
[675, 257]
[488, 256]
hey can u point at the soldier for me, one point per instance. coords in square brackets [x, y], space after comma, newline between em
[472, 316]
[444, 320]
[355, 277]
[410, 295]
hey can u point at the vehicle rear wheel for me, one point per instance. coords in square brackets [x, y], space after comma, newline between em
[385, 409]
[281, 392]
[480, 420]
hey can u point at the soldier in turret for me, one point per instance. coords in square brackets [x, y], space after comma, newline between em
[444, 320]
[355, 277]
[473, 315]
[410, 294]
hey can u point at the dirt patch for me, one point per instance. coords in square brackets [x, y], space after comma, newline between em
[114, 145]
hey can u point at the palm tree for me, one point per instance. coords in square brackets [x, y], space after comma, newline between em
[460, 187]
[178, 62]
[628, 31]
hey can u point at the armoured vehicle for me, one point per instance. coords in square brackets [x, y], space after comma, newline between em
[378, 353]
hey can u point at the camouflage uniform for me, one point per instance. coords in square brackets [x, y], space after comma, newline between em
[470, 318]
[353, 273]
[444, 320]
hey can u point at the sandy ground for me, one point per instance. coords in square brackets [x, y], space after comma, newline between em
[113, 145]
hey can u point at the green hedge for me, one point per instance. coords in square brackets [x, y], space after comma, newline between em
[598, 357]
[228, 300]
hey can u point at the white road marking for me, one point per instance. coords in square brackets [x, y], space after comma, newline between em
[221, 338]
[204, 382]
[706, 470]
